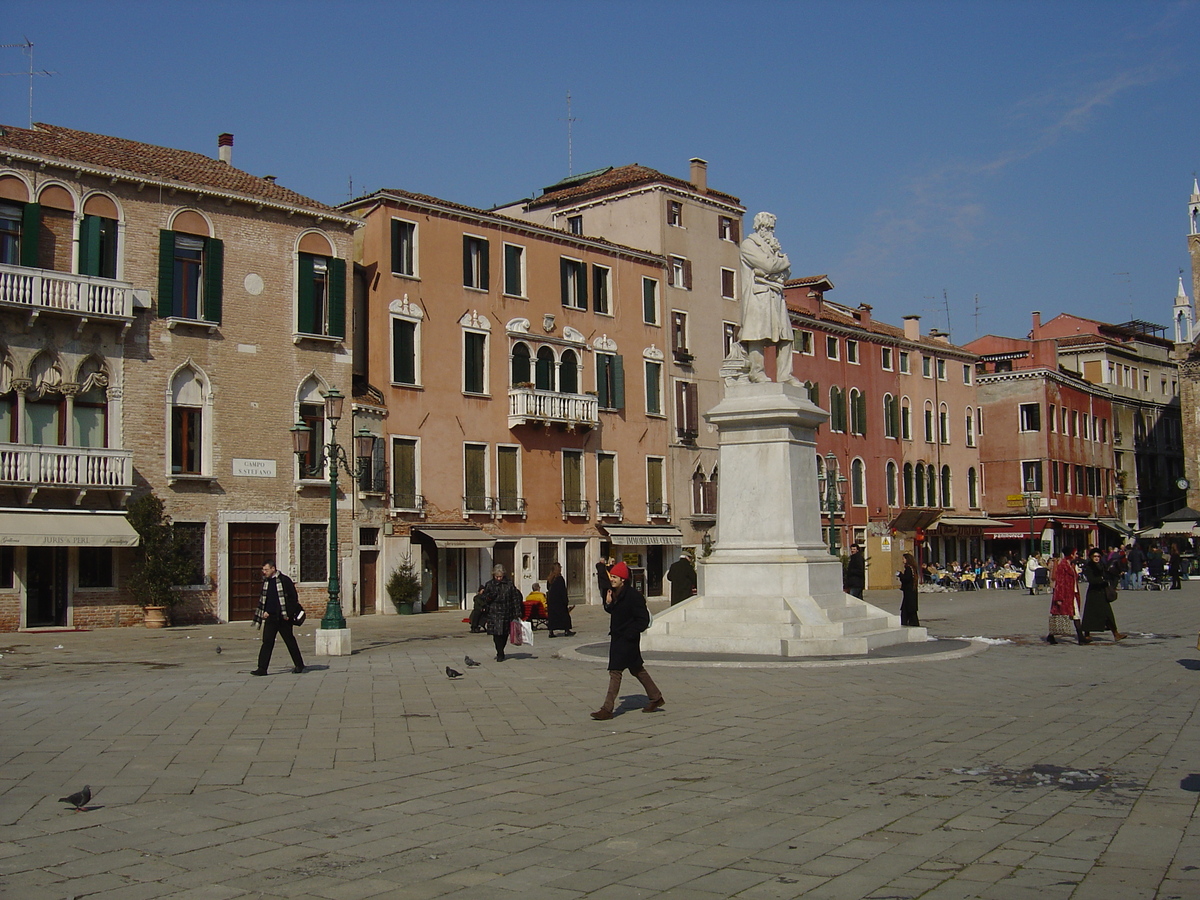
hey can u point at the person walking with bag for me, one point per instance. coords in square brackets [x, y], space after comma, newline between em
[1097, 604]
[502, 606]
[278, 610]
[628, 618]
[1064, 601]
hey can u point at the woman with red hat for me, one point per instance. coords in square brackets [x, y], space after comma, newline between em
[629, 617]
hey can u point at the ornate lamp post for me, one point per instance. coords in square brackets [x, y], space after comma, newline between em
[1032, 495]
[364, 445]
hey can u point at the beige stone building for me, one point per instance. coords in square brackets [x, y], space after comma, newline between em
[167, 318]
[696, 229]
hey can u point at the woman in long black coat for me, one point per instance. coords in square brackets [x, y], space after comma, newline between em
[1097, 611]
[558, 611]
[909, 578]
[502, 605]
[628, 618]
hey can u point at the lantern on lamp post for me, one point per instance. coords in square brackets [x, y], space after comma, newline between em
[304, 442]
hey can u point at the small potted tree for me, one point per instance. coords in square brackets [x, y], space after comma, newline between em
[161, 562]
[404, 586]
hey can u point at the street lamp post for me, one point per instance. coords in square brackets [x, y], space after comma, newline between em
[833, 500]
[1032, 495]
[335, 455]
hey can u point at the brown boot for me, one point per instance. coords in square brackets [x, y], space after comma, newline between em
[610, 700]
[656, 698]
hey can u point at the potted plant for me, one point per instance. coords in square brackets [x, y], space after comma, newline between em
[161, 562]
[404, 586]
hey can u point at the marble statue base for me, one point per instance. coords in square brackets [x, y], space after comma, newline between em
[770, 587]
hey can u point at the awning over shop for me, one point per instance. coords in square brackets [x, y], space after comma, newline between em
[1176, 528]
[66, 529]
[912, 518]
[643, 535]
[1116, 525]
[458, 538]
[1020, 526]
[965, 526]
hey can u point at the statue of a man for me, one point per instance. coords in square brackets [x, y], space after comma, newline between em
[765, 267]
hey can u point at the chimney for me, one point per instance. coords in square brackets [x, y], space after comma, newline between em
[942, 336]
[699, 174]
[1037, 324]
[225, 148]
[912, 328]
[864, 314]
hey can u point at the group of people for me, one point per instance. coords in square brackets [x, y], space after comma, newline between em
[1068, 615]
[498, 603]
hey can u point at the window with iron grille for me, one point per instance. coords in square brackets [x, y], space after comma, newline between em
[314, 552]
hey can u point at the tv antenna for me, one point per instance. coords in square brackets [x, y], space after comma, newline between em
[976, 314]
[571, 120]
[27, 46]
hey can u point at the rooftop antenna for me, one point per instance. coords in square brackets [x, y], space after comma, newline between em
[977, 309]
[27, 46]
[570, 145]
[1125, 279]
[946, 304]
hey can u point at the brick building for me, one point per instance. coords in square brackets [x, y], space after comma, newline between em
[167, 318]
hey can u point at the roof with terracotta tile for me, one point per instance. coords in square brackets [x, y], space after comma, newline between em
[612, 180]
[148, 161]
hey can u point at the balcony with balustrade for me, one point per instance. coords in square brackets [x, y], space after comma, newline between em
[36, 468]
[83, 297]
[530, 406]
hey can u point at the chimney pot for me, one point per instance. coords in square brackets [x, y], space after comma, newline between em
[225, 147]
[912, 328]
[699, 174]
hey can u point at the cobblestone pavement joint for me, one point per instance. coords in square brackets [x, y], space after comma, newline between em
[1015, 770]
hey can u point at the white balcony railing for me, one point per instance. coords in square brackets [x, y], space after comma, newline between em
[65, 467]
[84, 295]
[531, 406]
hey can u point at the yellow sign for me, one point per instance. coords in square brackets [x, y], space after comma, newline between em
[1015, 500]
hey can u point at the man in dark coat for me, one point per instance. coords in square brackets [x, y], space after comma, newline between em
[1137, 562]
[558, 610]
[628, 618]
[682, 576]
[854, 578]
[502, 604]
[278, 608]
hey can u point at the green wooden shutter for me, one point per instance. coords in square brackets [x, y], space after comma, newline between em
[485, 264]
[507, 475]
[573, 480]
[618, 383]
[602, 380]
[564, 277]
[404, 352]
[476, 482]
[31, 226]
[404, 473]
[467, 273]
[605, 465]
[304, 296]
[214, 278]
[654, 484]
[89, 246]
[166, 273]
[337, 297]
[582, 281]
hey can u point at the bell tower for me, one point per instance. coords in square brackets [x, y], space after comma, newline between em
[1194, 236]
[1181, 315]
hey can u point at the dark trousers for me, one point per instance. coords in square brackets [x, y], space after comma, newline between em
[500, 640]
[276, 625]
[855, 592]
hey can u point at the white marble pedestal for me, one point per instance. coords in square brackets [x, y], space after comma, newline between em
[333, 641]
[770, 587]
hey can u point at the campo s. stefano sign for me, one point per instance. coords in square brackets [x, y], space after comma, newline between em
[254, 468]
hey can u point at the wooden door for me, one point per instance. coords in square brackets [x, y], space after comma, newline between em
[45, 587]
[576, 573]
[367, 564]
[250, 545]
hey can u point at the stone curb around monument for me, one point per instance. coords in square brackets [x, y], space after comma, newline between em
[973, 647]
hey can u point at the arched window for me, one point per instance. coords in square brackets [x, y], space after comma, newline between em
[890, 483]
[858, 483]
[858, 412]
[909, 498]
[311, 402]
[929, 436]
[8, 403]
[90, 418]
[189, 403]
[568, 373]
[919, 499]
[520, 365]
[891, 417]
[837, 409]
[972, 488]
[944, 424]
[45, 405]
[969, 427]
[906, 419]
[543, 378]
[931, 476]
[947, 494]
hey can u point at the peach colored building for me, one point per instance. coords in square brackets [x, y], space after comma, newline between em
[166, 318]
[523, 394]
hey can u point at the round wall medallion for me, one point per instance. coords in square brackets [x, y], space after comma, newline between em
[254, 284]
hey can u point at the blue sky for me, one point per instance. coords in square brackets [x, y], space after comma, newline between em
[1036, 154]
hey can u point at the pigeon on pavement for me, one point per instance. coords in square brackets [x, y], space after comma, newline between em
[78, 800]
[470, 662]
[452, 673]
[218, 648]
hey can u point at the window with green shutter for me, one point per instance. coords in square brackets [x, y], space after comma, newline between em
[190, 276]
[31, 226]
[606, 475]
[404, 473]
[404, 351]
[514, 270]
[507, 478]
[654, 486]
[573, 274]
[572, 481]
[474, 362]
[649, 301]
[653, 388]
[98, 247]
[475, 262]
[404, 248]
[610, 381]
[475, 478]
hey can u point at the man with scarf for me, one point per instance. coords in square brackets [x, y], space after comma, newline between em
[278, 609]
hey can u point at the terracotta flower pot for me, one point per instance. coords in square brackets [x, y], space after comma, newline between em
[156, 617]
